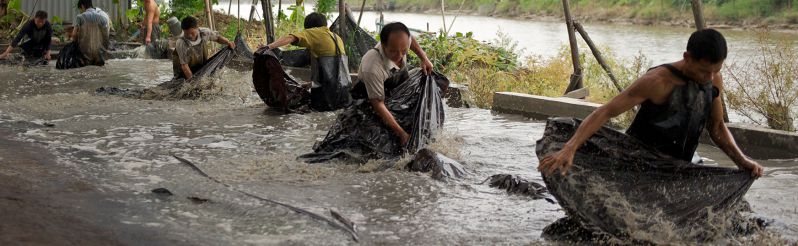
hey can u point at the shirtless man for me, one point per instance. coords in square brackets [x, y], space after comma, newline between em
[152, 21]
[677, 101]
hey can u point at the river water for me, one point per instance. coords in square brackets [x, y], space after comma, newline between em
[125, 147]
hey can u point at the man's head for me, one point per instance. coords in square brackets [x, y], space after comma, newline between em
[314, 20]
[83, 5]
[190, 28]
[395, 40]
[40, 18]
[706, 51]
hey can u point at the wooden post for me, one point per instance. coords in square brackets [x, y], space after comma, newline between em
[362, 9]
[268, 19]
[342, 17]
[279, 10]
[252, 10]
[443, 16]
[230, 7]
[698, 15]
[209, 13]
[597, 54]
[576, 77]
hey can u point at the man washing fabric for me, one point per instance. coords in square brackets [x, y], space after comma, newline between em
[190, 51]
[39, 33]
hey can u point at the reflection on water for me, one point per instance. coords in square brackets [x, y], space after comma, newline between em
[125, 147]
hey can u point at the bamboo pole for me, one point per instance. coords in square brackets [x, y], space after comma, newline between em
[576, 77]
[459, 10]
[342, 17]
[252, 10]
[268, 19]
[230, 7]
[597, 55]
[698, 15]
[209, 13]
[362, 9]
[443, 16]
[279, 10]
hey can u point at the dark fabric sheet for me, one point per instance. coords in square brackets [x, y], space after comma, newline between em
[359, 134]
[620, 187]
[275, 87]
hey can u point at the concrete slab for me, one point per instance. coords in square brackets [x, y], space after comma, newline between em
[756, 142]
[540, 107]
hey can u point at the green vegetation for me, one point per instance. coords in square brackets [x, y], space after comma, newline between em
[490, 67]
[767, 91]
[715, 11]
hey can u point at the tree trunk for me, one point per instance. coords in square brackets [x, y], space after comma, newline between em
[576, 77]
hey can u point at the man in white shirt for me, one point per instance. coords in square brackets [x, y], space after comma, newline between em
[386, 59]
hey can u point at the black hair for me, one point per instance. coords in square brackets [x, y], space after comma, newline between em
[189, 22]
[391, 28]
[41, 15]
[85, 4]
[707, 44]
[315, 20]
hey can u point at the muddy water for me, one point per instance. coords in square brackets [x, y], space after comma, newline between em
[124, 147]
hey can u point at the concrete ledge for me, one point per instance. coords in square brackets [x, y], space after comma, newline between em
[764, 143]
[757, 142]
[540, 107]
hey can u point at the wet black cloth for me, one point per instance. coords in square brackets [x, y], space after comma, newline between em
[359, 134]
[276, 87]
[618, 183]
[71, 57]
[39, 39]
[676, 126]
[331, 81]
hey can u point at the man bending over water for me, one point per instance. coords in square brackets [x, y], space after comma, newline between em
[39, 33]
[677, 101]
[190, 52]
[389, 57]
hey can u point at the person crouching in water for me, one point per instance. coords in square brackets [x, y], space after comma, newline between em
[330, 73]
[92, 33]
[39, 33]
[387, 59]
[191, 52]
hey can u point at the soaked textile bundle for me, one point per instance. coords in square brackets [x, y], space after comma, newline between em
[359, 134]
[71, 57]
[623, 189]
[276, 87]
[356, 40]
[179, 88]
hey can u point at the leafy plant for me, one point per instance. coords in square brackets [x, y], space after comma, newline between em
[767, 91]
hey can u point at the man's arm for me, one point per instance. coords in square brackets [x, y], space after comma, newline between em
[15, 41]
[7, 52]
[290, 39]
[151, 8]
[222, 40]
[426, 65]
[723, 138]
[387, 117]
[636, 94]
[186, 71]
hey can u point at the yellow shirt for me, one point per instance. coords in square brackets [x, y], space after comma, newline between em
[319, 41]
